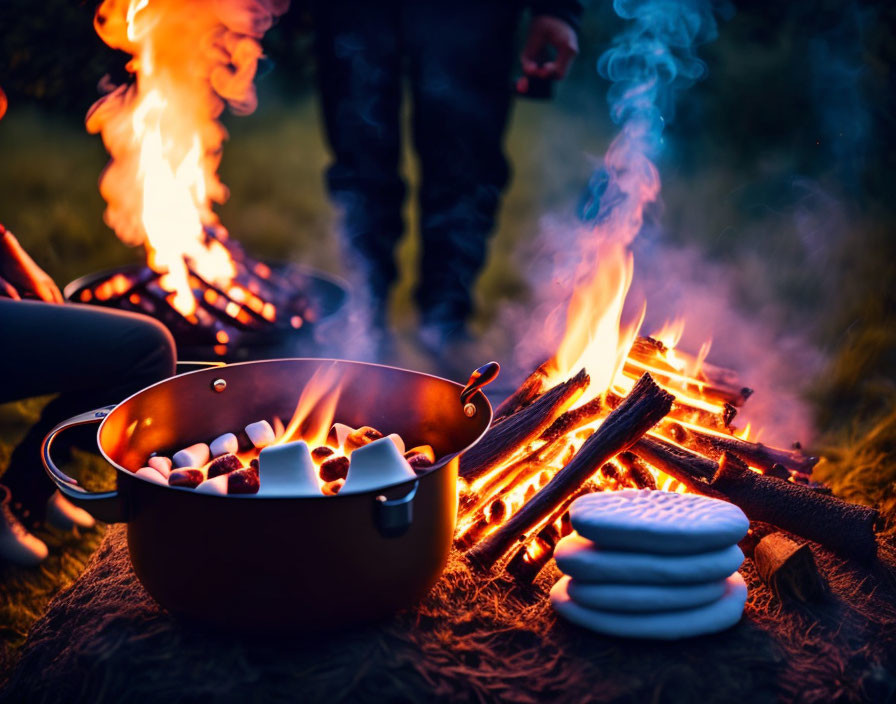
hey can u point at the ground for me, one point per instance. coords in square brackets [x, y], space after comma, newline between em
[774, 209]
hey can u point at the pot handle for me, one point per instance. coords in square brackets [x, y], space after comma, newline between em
[485, 374]
[394, 516]
[103, 505]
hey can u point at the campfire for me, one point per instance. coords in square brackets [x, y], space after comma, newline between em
[165, 139]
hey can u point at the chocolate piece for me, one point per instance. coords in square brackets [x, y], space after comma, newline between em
[223, 465]
[188, 477]
[319, 454]
[243, 481]
[334, 468]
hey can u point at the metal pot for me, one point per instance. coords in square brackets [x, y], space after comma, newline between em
[268, 564]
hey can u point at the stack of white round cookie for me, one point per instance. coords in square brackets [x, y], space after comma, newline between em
[652, 564]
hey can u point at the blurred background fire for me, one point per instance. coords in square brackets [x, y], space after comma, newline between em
[777, 198]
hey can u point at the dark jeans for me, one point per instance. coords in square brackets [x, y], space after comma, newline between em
[457, 57]
[90, 356]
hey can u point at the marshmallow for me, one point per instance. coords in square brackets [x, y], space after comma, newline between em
[161, 464]
[218, 485]
[420, 457]
[151, 475]
[192, 456]
[225, 444]
[287, 470]
[399, 443]
[375, 465]
[360, 437]
[261, 433]
[338, 433]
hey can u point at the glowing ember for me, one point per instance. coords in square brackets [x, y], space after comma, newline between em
[190, 59]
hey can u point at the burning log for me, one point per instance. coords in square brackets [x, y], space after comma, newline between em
[839, 525]
[641, 410]
[690, 469]
[503, 439]
[573, 419]
[527, 563]
[788, 568]
[753, 453]
[496, 512]
[527, 392]
[638, 472]
[647, 354]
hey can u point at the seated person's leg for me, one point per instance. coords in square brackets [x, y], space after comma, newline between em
[90, 356]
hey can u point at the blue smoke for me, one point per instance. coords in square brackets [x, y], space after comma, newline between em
[649, 63]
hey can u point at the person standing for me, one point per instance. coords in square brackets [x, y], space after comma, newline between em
[457, 58]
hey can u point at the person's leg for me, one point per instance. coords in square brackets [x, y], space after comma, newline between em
[91, 356]
[359, 79]
[461, 54]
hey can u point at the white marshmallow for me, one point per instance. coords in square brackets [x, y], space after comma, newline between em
[341, 432]
[376, 465]
[399, 443]
[225, 444]
[161, 464]
[287, 470]
[261, 433]
[218, 485]
[152, 475]
[192, 456]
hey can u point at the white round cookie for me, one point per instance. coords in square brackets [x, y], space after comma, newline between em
[641, 520]
[582, 559]
[637, 598]
[661, 625]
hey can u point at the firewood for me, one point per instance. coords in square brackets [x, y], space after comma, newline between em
[680, 411]
[753, 453]
[839, 525]
[527, 392]
[638, 472]
[501, 441]
[717, 382]
[527, 562]
[788, 568]
[641, 410]
[778, 471]
[690, 469]
[496, 512]
[574, 419]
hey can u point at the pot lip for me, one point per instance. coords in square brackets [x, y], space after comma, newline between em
[443, 462]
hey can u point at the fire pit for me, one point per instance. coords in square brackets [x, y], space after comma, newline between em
[272, 310]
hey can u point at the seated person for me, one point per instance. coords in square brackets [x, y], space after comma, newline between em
[90, 356]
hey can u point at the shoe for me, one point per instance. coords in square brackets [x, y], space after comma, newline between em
[17, 545]
[64, 515]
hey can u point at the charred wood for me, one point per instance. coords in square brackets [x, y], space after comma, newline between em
[839, 525]
[643, 408]
[527, 392]
[501, 441]
[788, 568]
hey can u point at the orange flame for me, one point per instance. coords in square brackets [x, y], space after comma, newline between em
[595, 338]
[3, 103]
[190, 59]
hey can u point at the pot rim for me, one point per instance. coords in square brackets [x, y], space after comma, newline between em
[372, 492]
